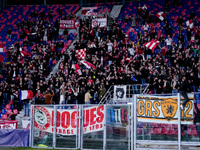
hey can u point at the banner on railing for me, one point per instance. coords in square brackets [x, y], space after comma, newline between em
[26, 124]
[8, 124]
[67, 120]
[67, 24]
[117, 116]
[101, 22]
[163, 109]
[119, 92]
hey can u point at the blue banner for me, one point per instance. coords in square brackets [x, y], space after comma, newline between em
[14, 138]
[197, 97]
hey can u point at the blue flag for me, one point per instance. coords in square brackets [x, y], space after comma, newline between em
[133, 79]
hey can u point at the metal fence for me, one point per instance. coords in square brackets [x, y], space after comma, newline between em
[131, 91]
[160, 123]
[146, 122]
[82, 126]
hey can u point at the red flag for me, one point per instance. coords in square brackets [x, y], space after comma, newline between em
[80, 54]
[77, 69]
[189, 23]
[161, 15]
[1, 58]
[1, 47]
[152, 44]
[129, 30]
[129, 60]
[23, 53]
[88, 64]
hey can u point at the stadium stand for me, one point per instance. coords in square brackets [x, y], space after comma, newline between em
[110, 50]
[30, 45]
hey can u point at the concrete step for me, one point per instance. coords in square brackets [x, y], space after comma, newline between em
[116, 11]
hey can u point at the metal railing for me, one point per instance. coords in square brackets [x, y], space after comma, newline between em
[82, 126]
[130, 91]
[147, 122]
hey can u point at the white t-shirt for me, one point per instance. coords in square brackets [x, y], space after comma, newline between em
[146, 27]
[169, 41]
[131, 51]
[110, 45]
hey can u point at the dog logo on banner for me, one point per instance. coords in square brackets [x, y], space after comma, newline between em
[42, 118]
[120, 92]
[169, 108]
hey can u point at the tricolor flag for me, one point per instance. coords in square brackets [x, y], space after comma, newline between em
[25, 94]
[189, 23]
[161, 15]
[1, 47]
[77, 69]
[88, 64]
[81, 53]
[152, 44]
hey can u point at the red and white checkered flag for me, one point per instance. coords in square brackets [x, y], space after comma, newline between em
[189, 23]
[161, 15]
[80, 54]
[152, 44]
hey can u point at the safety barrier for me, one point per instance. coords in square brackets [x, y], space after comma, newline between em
[129, 90]
[82, 126]
[147, 121]
[161, 123]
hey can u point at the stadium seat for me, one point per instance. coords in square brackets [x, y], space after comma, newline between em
[4, 117]
[15, 111]
[3, 111]
[172, 131]
[139, 131]
[8, 106]
[192, 132]
[157, 130]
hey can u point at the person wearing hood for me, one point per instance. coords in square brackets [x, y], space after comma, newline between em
[102, 92]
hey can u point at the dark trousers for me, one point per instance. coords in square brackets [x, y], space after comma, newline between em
[184, 94]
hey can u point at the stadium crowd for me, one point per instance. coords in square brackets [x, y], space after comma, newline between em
[117, 59]
[28, 70]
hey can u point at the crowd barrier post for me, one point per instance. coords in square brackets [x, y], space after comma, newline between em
[179, 122]
[104, 128]
[31, 118]
[132, 126]
[79, 124]
[54, 124]
[135, 120]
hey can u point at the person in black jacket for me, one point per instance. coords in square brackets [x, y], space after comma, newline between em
[197, 118]
[183, 88]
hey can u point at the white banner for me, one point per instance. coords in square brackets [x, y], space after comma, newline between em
[8, 124]
[163, 109]
[89, 11]
[119, 92]
[101, 22]
[67, 120]
[26, 124]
